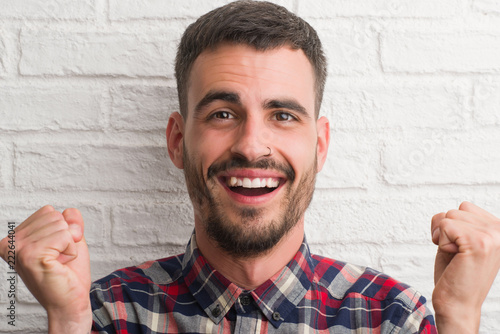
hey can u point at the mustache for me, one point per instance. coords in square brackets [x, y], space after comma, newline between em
[238, 162]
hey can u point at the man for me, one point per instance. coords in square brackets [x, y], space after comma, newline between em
[250, 78]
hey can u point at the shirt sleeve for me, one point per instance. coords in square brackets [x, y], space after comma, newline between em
[420, 318]
[102, 319]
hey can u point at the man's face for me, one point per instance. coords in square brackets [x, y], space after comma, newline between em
[242, 105]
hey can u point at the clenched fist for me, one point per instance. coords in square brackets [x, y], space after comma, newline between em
[52, 259]
[467, 263]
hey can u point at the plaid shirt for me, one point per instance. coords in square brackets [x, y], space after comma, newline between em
[184, 294]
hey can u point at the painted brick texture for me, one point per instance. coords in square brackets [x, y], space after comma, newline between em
[51, 9]
[95, 54]
[2, 54]
[443, 52]
[25, 107]
[413, 99]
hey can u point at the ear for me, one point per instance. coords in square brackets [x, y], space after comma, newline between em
[175, 135]
[323, 127]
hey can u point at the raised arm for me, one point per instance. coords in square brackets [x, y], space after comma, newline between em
[467, 263]
[52, 258]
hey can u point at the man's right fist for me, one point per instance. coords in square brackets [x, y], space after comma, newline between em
[52, 258]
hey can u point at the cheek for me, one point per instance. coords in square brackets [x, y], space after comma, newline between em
[296, 144]
[207, 148]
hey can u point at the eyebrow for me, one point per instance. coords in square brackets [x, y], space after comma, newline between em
[289, 104]
[215, 95]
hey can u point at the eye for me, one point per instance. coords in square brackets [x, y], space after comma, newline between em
[284, 116]
[222, 115]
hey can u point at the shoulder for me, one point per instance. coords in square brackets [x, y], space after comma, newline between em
[342, 279]
[358, 285]
[162, 272]
[364, 293]
[124, 298]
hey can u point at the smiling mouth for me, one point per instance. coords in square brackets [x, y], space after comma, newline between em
[252, 186]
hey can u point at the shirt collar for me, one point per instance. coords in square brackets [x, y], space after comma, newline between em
[276, 297]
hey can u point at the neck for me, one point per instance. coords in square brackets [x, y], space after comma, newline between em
[249, 273]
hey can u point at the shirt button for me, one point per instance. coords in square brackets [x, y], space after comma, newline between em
[276, 316]
[245, 300]
[216, 311]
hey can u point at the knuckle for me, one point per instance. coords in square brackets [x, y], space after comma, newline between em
[47, 208]
[436, 220]
[465, 206]
[56, 215]
[453, 214]
[59, 225]
[486, 244]
[445, 223]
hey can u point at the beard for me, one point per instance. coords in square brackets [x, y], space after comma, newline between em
[252, 234]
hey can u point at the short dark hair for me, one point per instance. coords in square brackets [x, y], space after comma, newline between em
[260, 24]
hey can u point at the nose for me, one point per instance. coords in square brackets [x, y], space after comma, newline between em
[253, 140]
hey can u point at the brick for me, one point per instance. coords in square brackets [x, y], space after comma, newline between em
[350, 50]
[142, 107]
[29, 319]
[9, 213]
[487, 101]
[50, 107]
[487, 6]
[418, 52]
[405, 8]
[3, 54]
[490, 322]
[50, 9]
[148, 224]
[348, 163]
[97, 53]
[95, 225]
[5, 164]
[158, 9]
[85, 167]
[383, 220]
[387, 104]
[5, 286]
[442, 158]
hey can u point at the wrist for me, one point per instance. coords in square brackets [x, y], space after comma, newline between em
[458, 322]
[74, 323]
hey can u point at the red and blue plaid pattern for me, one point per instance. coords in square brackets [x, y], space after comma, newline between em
[184, 294]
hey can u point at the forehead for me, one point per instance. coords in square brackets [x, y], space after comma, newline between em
[279, 72]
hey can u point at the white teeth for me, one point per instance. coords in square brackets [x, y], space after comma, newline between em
[272, 183]
[252, 183]
[233, 181]
[256, 183]
[247, 183]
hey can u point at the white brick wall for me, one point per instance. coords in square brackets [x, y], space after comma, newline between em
[96, 53]
[402, 8]
[413, 98]
[460, 52]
